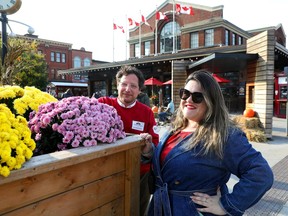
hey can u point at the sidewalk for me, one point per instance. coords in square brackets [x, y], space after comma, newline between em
[275, 151]
[275, 201]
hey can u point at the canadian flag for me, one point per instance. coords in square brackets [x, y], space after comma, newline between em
[115, 27]
[143, 19]
[183, 9]
[161, 16]
[132, 22]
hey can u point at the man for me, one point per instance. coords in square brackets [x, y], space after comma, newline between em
[167, 112]
[137, 118]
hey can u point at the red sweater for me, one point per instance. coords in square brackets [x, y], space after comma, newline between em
[137, 119]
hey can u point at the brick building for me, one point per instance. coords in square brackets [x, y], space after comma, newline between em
[248, 59]
[61, 56]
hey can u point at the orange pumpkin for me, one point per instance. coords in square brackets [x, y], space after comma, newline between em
[155, 109]
[249, 113]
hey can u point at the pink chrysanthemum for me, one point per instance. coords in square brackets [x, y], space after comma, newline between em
[73, 122]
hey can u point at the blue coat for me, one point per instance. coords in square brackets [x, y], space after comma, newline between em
[185, 172]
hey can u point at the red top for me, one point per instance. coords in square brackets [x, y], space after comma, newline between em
[136, 119]
[172, 142]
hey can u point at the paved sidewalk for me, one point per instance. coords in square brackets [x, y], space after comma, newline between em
[275, 151]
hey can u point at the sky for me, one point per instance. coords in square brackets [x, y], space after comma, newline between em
[89, 23]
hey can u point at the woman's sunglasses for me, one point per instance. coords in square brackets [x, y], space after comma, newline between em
[197, 97]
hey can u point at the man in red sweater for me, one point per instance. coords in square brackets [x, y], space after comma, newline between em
[137, 118]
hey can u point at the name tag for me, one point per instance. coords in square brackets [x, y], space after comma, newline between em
[136, 125]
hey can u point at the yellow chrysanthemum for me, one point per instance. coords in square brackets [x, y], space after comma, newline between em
[4, 171]
[31, 100]
[11, 92]
[16, 143]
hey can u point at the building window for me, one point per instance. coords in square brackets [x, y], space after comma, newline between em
[77, 62]
[240, 40]
[58, 57]
[209, 37]
[137, 50]
[251, 94]
[166, 37]
[194, 40]
[63, 59]
[227, 37]
[52, 56]
[147, 48]
[86, 62]
[233, 39]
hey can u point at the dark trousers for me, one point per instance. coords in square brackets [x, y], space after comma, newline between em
[144, 194]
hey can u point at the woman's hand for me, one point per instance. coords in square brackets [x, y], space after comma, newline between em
[147, 149]
[211, 203]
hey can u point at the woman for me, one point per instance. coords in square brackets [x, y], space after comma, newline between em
[194, 160]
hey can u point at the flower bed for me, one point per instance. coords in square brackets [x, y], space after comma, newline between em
[74, 122]
[16, 145]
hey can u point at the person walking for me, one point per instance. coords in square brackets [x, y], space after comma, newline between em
[194, 160]
[137, 118]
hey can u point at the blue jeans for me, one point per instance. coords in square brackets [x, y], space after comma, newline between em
[163, 116]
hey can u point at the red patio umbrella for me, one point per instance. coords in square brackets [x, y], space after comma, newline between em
[220, 79]
[153, 81]
[169, 82]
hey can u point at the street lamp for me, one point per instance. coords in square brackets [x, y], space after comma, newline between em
[7, 7]
[4, 21]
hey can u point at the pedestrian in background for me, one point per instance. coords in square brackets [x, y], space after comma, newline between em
[163, 115]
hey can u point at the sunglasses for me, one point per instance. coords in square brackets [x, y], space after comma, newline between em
[197, 97]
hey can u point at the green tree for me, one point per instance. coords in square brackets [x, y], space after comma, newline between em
[35, 71]
[23, 65]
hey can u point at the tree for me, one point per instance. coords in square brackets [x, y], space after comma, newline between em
[23, 65]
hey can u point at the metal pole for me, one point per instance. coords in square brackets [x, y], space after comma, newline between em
[4, 36]
[286, 72]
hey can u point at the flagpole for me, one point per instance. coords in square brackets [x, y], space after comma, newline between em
[140, 34]
[173, 26]
[113, 40]
[126, 36]
[156, 33]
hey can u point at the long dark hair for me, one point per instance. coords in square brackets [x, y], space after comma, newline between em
[213, 128]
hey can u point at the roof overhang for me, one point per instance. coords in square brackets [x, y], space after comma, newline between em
[68, 84]
[224, 61]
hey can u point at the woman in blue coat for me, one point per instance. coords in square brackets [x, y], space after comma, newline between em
[194, 160]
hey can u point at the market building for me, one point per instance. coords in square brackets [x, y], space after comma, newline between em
[175, 45]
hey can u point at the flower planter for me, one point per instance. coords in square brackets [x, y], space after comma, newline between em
[97, 180]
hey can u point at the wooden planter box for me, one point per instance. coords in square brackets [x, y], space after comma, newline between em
[98, 180]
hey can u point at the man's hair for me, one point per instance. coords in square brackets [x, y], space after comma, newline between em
[126, 70]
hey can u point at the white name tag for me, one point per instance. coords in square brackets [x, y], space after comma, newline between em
[136, 125]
